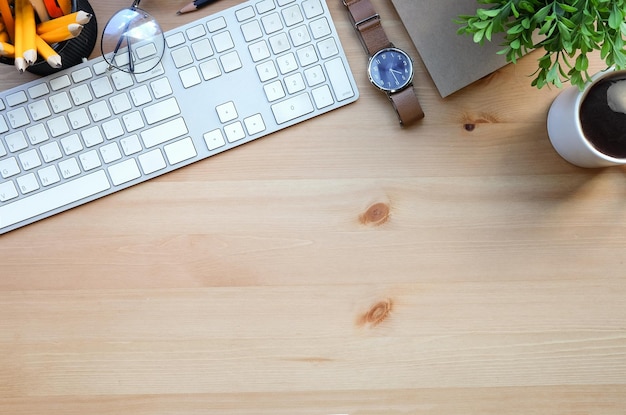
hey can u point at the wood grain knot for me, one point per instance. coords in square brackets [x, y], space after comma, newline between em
[376, 215]
[469, 127]
[378, 313]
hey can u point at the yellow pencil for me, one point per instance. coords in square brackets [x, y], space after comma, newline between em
[4, 37]
[80, 17]
[7, 49]
[62, 34]
[18, 38]
[30, 45]
[7, 17]
[50, 55]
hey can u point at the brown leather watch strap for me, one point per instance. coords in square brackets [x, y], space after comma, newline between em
[407, 106]
[367, 23]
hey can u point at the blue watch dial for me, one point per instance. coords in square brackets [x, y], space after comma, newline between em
[390, 69]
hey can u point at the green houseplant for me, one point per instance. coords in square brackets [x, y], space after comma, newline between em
[568, 30]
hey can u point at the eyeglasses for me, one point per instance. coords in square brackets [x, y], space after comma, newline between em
[132, 40]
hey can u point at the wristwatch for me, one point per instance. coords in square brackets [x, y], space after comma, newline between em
[389, 69]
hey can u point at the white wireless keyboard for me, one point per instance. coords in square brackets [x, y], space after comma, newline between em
[224, 80]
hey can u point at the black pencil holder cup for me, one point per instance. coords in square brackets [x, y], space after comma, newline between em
[71, 51]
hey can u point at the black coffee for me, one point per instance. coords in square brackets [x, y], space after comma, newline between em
[603, 116]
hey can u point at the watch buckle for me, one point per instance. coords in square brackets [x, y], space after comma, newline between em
[367, 20]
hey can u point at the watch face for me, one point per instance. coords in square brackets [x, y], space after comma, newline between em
[390, 69]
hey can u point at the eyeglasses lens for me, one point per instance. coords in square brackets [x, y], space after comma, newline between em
[132, 41]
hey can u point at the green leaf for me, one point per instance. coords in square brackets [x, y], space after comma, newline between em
[615, 18]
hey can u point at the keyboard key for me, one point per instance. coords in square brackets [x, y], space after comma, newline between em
[90, 160]
[254, 124]
[164, 132]
[124, 172]
[79, 118]
[312, 8]
[99, 111]
[152, 161]
[210, 69]
[27, 183]
[30, 159]
[38, 91]
[265, 6]
[234, 132]
[16, 98]
[131, 145]
[37, 134]
[53, 198]
[292, 108]
[161, 111]
[259, 51]
[175, 39]
[71, 144]
[320, 28]
[216, 24]
[190, 77]
[81, 95]
[180, 151]
[182, 57]
[161, 88]
[120, 103]
[271, 23]
[18, 118]
[327, 48]
[339, 79]
[251, 31]
[7, 191]
[60, 102]
[9, 167]
[48, 175]
[110, 153]
[292, 15]
[101, 87]
[51, 152]
[112, 129]
[226, 112]
[15, 141]
[39, 110]
[60, 82]
[214, 139]
[322, 97]
[69, 168]
[202, 49]
[230, 61]
[223, 41]
[81, 74]
[245, 13]
[195, 32]
[133, 121]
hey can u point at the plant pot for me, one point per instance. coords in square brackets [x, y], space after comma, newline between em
[71, 51]
[588, 127]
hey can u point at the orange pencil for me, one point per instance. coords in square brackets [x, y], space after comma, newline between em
[7, 17]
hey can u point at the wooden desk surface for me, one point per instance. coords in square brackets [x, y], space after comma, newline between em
[342, 266]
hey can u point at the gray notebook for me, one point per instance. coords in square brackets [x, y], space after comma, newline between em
[453, 61]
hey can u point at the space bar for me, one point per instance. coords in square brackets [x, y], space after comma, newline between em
[53, 198]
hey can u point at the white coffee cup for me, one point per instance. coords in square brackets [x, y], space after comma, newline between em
[565, 128]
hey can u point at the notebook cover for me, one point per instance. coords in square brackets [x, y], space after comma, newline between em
[453, 61]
